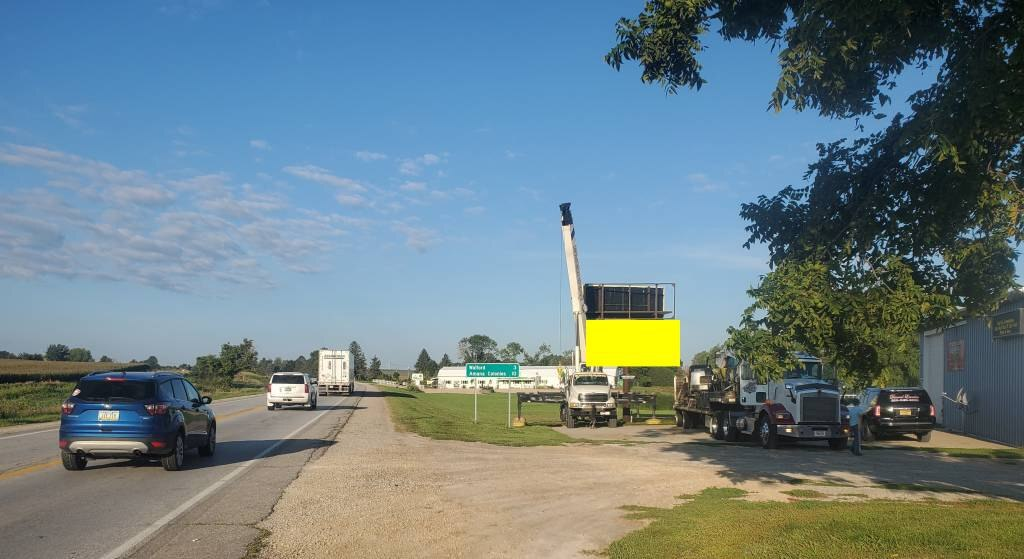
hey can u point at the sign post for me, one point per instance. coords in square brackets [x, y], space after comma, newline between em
[492, 370]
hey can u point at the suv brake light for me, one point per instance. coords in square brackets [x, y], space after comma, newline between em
[305, 388]
[931, 410]
[156, 409]
[268, 387]
[66, 408]
[878, 411]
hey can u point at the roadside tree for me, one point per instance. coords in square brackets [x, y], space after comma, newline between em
[478, 348]
[80, 355]
[57, 352]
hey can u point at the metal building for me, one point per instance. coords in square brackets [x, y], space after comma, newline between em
[974, 373]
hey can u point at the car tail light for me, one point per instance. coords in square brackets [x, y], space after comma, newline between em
[931, 410]
[158, 444]
[306, 388]
[156, 409]
[66, 408]
[878, 411]
[63, 443]
[268, 387]
[115, 379]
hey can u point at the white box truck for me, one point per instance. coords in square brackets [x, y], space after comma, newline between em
[335, 374]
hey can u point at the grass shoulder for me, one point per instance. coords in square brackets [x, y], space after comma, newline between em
[823, 528]
[449, 416]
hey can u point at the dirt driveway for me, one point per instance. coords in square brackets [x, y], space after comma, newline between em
[383, 493]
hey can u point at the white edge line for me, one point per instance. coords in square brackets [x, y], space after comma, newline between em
[184, 507]
[27, 434]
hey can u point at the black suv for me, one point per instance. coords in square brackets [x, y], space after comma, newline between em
[124, 415]
[897, 411]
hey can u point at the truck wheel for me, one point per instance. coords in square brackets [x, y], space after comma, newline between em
[731, 432]
[765, 433]
[681, 419]
[612, 422]
[570, 420]
[716, 427]
[924, 437]
[271, 407]
[838, 443]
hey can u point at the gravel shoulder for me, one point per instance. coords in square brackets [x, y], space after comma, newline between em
[384, 493]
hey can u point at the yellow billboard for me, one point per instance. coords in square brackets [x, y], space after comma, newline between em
[633, 343]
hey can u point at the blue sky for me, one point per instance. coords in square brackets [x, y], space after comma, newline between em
[176, 175]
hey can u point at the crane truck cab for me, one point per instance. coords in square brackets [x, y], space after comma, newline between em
[802, 405]
[588, 399]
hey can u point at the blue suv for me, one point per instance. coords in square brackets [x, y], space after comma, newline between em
[156, 415]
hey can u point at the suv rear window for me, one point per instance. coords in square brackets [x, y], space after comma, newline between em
[287, 379]
[116, 390]
[904, 397]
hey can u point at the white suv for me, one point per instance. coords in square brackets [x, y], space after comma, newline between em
[291, 389]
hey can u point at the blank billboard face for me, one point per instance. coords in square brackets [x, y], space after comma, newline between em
[633, 343]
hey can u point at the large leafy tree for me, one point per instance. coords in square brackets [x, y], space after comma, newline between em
[512, 352]
[938, 187]
[57, 352]
[869, 335]
[478, 348]
[80, 354]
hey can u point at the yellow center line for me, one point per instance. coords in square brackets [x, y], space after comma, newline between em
[38, 466]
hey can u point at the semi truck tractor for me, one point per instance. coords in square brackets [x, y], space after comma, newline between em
[335, 373]
[730, 401]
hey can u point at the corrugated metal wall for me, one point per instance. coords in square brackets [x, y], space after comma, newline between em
[993, 378]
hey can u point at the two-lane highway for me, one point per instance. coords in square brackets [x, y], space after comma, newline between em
[120, 507]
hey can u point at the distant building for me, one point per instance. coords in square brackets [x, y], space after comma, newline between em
[416, 379]
[530, 376]
[981, 361]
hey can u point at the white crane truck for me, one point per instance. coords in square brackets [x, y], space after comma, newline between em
[335, 373]
[587, 394]
[732, 401]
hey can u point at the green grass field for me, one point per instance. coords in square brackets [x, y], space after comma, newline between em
[450, 417]
[717, 523]
[36, 402]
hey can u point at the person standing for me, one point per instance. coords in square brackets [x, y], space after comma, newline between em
[856, 413]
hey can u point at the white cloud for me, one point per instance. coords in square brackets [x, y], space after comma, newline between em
[474, 210]
[413, 186]
[509, 154]
[701, 183]
[324, 176]
[199, 233]
[259, 144]
[370, 156]
[351, 200]
[70, 114]
[420, 239]
[415, 165]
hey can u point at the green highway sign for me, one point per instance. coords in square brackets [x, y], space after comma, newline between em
[505, 370]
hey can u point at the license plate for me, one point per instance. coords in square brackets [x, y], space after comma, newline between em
[110, 415]
[906, 412]
[287, 389]
[820, 433]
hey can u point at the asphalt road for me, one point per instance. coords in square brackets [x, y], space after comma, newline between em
[121, 508]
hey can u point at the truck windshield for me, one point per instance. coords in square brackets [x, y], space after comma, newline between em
[593, 381]
[807, 370]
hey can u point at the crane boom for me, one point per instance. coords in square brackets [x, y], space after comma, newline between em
[572, 266]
